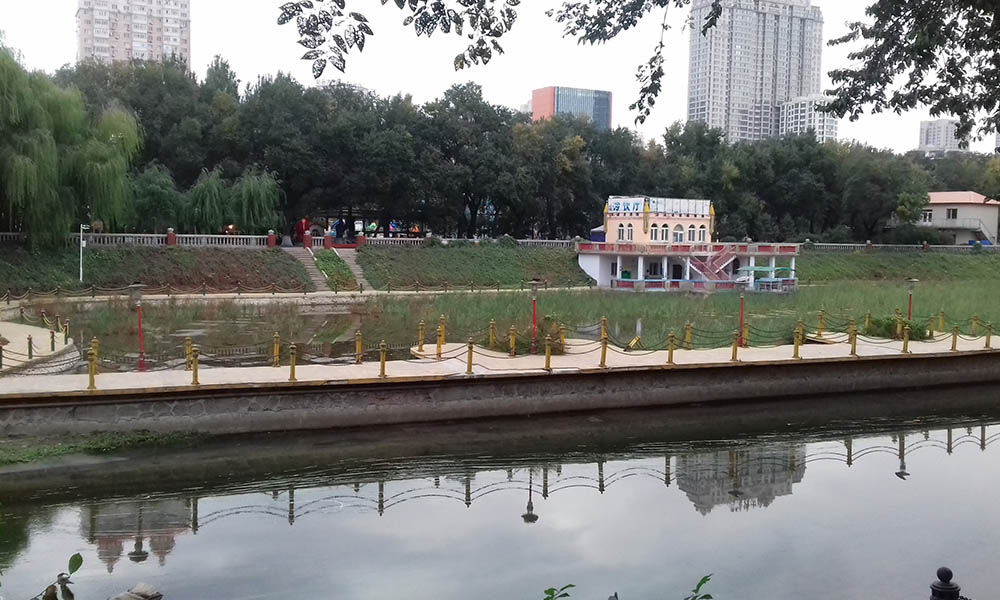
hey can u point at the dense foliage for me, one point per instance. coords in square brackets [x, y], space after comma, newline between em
[459, 165]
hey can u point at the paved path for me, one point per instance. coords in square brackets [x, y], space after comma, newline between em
[580, 355]
[15, 354]
[350, 256]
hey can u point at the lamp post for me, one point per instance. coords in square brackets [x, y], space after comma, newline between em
[83, 244]
[910, 284]
[534, 314]
[529, 516]
[901, 473]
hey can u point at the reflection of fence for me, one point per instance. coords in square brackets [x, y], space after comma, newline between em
[94, 291]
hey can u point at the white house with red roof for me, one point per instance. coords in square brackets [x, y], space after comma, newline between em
[967, 217]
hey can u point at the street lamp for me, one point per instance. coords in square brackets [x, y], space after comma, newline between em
[83, 244]
[910, 284]
[534, 313]
[530, 516]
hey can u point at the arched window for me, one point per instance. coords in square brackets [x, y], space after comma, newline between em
[679, 234]
[691, 233]
[654, 233]
[621, 232]
[630, 232]
[702, 234]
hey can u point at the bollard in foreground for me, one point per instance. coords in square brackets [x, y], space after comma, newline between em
[944, 588]
[52, 340]
[381, 356]
[95, 345]
[292, 353]
[441, 322]
[91, 369]
[604, 326]
[277, 350]
[687, 335]
[671, 341]
[420, 336]
[604, 351]
[954, 339]
[868, 321]
[797, 339]
[821, 324]
[194, 365]
[852, 330]
[31, 348]
[989, 335]
[940, 320]
[736, 346]
[66, 333]
[187, 354]
[746, 335]
[468, 364]
[493, 333]
[357, 347]
[975, 325]
[440, 340]
[548, 353]
[930, 326]
[906, 339]
[562, 338]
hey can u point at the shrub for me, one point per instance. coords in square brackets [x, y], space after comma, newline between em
[886, 328]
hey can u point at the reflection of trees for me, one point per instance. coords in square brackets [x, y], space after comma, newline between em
[15, 531]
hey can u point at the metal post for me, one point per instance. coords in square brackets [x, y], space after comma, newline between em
[868, 321]
[821, 325]
[493, 333]
[853, 334]
[562, 338]
[671, 339]
[548, 353]
[91, 369]
[468, 365]
[442, 329]
[604, 325]
[381, 356]
[95, 345]
[944, 588]
[31, 348]
[736, 345]
[746, 335]
[420, 336]
[440, 339]
[1, 357]
[741, 320]
[906, 339]
[899, 324]
[187, 354]
[52, 340]
[277, 350]
[66, 332]
[194, 365]
[687, 335]
[989, 334]
[797, 340]
[930, 326]
[940, 320]
[604, 351]
[954, 339]
[292, 350]
[511, 335]
[358, 347]
[975, 325]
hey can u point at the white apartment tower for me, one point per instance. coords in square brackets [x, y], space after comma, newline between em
[939, 136]
[760, 54]
[802, 115]
[124, 30]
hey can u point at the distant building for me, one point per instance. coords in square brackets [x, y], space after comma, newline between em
[125, 30]
[996, 144]
[800, 115]
[967, 217]
[938, 136]
[550, 101]
[741, 479]
[759, 55]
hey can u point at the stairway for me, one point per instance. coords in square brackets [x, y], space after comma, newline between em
[350, 256]
[306, 258]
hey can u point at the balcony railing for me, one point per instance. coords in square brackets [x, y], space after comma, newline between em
[689, 249]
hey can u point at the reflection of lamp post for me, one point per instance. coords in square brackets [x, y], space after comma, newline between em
[910, 284]
[901, 473]
[534, 313]
[138, 555]
[135, 291]
[530, 516]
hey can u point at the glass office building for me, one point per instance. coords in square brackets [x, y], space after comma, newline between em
[594, 104]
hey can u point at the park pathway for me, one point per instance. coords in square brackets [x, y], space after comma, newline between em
[350, 256]
[306, 258]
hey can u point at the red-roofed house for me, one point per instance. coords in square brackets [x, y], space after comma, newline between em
[967, 216]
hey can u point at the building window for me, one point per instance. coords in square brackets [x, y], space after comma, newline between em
[679, 234]
[621, 232]
[630, 232]
[702, 234]
[952, 213]
[614, 268]
[654, 233]
[653, 269]
[927, 216]
[691, 233]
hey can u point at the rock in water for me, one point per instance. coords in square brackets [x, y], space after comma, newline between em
[140, 591]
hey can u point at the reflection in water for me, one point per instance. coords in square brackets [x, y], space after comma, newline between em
[557, 493]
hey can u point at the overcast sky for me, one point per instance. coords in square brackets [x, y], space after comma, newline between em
[395, 60]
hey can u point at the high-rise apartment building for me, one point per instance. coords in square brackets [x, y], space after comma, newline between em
[760, 54]
[550, 101]
[117, 30]
[802, 115]
[939, 136]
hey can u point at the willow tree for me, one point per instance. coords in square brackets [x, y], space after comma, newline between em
[58, 164]
[253, 202]
[206, 205]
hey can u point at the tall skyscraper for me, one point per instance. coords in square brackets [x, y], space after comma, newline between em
[549, 101]
[760, 54]
[117, 30]
[801, 115]
[939, 136]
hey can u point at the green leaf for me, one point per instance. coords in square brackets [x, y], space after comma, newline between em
[75, 562]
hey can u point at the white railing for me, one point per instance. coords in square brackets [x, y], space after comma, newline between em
[11, 237]
[384, 241]
[121, 239]
[546, 243]
[232, 241]
[958, 249]
[317, 242]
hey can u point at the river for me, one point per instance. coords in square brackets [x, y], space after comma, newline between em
[783, 500]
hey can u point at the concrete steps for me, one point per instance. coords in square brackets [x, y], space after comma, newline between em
[350, 256]
[306, 258]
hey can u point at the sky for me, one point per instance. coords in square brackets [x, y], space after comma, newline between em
[245, 33]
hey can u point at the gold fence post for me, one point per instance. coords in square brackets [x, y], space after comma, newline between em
[604, 326]
[868, 321]
[292, 351]
[687, 335]
[194, 365]
[821, 325]
[66, 332]
[95, 345]
[954, 339]
[906, 339]
[277, 350]
[381, 356]
[31, 348]
[91, 369]
[797, 339]
[468, 365]
[930, 326]
[187, 353]
[899, 324]
[562, 338]
[989, 334]
[975, 325]
[358, 347]
[940, 320]
[671, 340]
[548, 353]
[52, 340]
[420, 336]
[853, 335]
[511, 336]
[604, 351]
[442, 330]
[493, 333]
[746, 335]
[440, 339]
[736, 345]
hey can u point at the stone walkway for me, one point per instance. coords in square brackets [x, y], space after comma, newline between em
[580, 355]
[15, 354]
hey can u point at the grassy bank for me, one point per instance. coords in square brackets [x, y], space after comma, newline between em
[27, 450]
[897, 266]
[337, 271]
[465, 264]
[21, 268]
